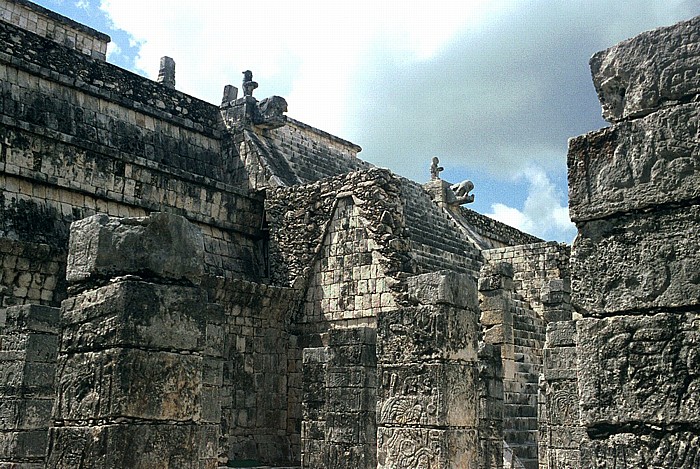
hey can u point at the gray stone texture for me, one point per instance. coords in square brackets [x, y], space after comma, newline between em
[638, 262]
[339, 398]
[625, 366]
[161, 245]
[635, 165]
[654, 69]
[428, 390]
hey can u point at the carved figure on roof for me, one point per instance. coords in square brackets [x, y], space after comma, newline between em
[435, 169]
[461, 192]
[248, 84]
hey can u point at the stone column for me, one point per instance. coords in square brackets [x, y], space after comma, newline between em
[560, 432]
[28, 348]
[139, 362]
[428, 391]
[490, 407]
[634, 195]
[339, 399]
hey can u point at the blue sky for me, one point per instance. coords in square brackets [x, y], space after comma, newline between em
[494, 88]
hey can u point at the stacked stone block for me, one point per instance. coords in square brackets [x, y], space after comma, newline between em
[139, 362]
[561, 433]
[28, 349]
[507, 321]
[428, 391]
[490, 407]
[339, 399]
[32, 17]
[259, 353]
[634, 197]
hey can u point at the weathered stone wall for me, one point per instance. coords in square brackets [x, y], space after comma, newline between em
[28, 348]
[97, 139]
[261, 387]
[341, 240]
[58, 28]
[339, 401]
[541, 276]
[634, 198]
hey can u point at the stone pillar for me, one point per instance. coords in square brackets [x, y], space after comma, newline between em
[490, 407]
[140, 357]
[428, 397]
[560, 432]
[495, 302]
[339, 399]
[28, 348]
[166, 73]
[634, 195]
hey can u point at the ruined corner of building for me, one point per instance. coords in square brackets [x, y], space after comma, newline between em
[193, 285]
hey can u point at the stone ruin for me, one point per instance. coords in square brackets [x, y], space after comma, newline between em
[185, 285]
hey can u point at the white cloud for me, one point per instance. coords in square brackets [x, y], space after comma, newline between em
[308, 51]
[544, 212]
[84, 4]
[113, 50]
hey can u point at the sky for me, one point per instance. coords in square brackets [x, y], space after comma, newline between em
[493, 88]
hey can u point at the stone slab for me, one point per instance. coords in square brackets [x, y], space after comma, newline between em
[446, 287]
[678, 450]
[427, 332]
[136, 446]
[132, 383]
[142, 314]
[639, 369]
[161, 245]
[635, 165]
[653, 69]
[637, 262]
[31, 318]
[412, 448]
[436, 394]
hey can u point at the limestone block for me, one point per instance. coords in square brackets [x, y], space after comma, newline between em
[639, 75]
[562, 403]
[427, 332]
[34, 318]
[129, 383]
[446, 287]
[561, 334]
[435, 394]
[639, 369]
[637, 262]
[161, 245]
[679, 450]
[137, 446]
[138, 314]
[634, 165]
[411, 448]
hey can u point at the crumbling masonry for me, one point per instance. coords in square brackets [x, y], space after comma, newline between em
[187, 285]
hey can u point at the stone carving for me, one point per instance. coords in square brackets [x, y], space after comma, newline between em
[435, 169]
[271, 112]
[248, 84]
[461, 192]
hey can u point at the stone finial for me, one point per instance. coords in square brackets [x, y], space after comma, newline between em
[248, 84]
[435, 169]
[166, 74]
[230, 94]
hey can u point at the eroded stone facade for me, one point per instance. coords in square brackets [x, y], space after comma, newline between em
[190, 285]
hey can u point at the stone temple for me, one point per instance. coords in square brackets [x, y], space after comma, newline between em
[186, 285]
